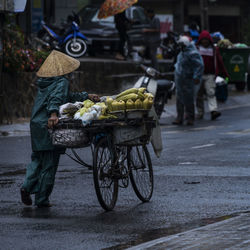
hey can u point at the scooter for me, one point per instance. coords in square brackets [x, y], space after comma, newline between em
[169, 46]
[70, 40]
[162, 89]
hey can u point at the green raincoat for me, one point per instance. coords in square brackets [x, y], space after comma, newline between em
[40, 173]
[52, 93]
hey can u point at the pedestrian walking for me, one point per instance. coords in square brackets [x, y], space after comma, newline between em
[53, 91]
[194, 31]
[122, 24]
[213, 66]
[188, 74]
[152, 37]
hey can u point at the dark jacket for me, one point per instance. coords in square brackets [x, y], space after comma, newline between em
[212, 65]
[52, 92]
[121, 21]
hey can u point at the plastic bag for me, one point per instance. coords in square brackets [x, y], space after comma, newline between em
[68, 110]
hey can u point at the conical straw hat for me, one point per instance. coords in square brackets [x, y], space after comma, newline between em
[57, 64]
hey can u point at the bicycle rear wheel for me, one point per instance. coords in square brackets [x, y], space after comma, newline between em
[106, 186]
[141, 172]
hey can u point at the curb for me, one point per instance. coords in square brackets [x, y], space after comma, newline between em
[204, 237]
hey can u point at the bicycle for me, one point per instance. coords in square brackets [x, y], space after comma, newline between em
[120, 155]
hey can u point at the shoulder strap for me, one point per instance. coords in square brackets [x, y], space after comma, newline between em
[215, 61]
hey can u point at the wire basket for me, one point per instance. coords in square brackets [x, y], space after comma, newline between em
[70, 135]
[133, 135]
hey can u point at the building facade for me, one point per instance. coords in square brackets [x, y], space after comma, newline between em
[227, 16]
[230, 17]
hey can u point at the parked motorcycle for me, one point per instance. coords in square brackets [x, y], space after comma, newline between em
[162, 88]
[68, 38]
[169, 46]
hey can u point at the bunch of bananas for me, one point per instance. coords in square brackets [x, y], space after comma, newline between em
[131, 99]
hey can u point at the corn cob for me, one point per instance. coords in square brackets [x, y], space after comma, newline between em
[130, 104]
[121, 105]
[147, 103]
[148, 95]
[115, 105]
[131, 96]
[109, 116]
[141, 96]
[126, 92]
[141, 90]
[138, 104]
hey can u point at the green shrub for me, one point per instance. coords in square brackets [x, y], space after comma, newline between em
[17, 56]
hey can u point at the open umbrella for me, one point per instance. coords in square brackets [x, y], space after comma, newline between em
[113, 7]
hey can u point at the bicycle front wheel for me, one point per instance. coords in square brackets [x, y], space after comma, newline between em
[141, 172]
[106, 185]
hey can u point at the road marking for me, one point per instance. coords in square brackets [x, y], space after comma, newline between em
[171, 132]
[187, 163]
[203, 128]
[203, 146]
[244, 131]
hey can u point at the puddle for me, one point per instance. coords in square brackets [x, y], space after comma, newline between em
[30, 212]
[164, 232]
[13, 173]
[6, 182]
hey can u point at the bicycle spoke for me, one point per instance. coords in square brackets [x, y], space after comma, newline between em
[105, 184]
[141, 173]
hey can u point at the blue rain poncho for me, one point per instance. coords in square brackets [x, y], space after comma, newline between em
[189, 66]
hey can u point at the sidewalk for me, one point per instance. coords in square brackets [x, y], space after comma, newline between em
[15, 129]
[232, 233]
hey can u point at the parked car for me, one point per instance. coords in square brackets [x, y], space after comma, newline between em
[102, 34]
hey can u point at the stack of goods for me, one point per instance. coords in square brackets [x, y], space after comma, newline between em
[92, 111]
[131, 99]
[225, 43]
[68, 110]
[128, 100]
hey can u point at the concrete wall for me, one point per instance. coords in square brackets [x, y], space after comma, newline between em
[19, 90]
[63, 8]
[103, 77]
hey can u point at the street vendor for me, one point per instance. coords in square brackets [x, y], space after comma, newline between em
[53, 91]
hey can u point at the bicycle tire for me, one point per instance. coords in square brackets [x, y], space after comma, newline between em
[141, 172]
[106, 186]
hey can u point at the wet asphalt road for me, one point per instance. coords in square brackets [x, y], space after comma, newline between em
[203, 174]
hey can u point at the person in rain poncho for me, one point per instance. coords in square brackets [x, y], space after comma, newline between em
[188, 74]
[214, 66]
[53, 91]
